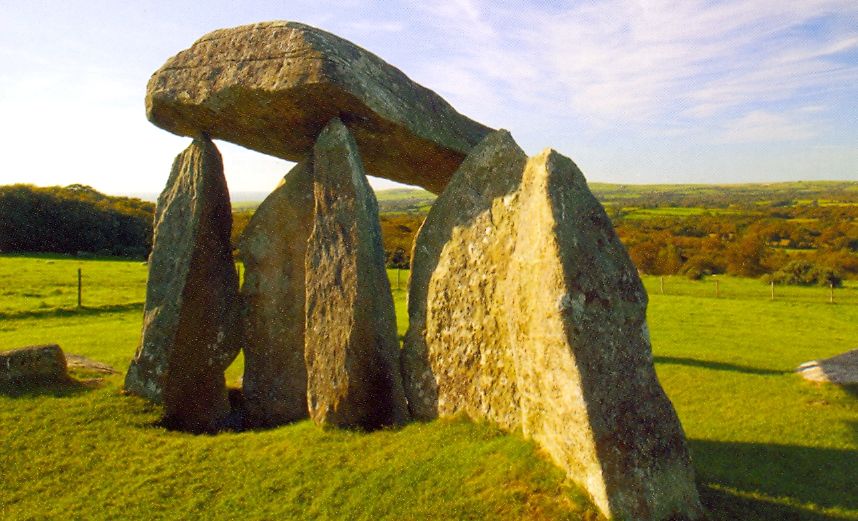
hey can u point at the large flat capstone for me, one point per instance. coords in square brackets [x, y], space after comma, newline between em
[189, 320]
[525, 310]
[351, 349]
[273, 86]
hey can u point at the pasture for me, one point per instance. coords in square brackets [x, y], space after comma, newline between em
[765, 444]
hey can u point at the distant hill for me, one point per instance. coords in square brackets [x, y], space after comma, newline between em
[668, 228]
[415, 200]
[412, 200]
[73, 219]
[725, 195]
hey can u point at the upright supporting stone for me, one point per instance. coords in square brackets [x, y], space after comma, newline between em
[189, 326]
[458, 267]
[526, 310]
[272, 248]
[589, 392]
[351, 348]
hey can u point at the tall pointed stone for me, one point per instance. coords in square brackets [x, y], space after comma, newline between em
[351, 349]
[189, 334]
[458, 267]
[272, 248]
[588, 391]
[526, 310]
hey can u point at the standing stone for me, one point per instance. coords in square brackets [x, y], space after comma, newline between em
[351, 349]
[189, 324]
[272, 248]
[458, 267]
[526, 310]
[577, 316]
[273, 86]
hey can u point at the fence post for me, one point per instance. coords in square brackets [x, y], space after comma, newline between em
[79, 287]
[662, 285]
[831, 295]
[773, 290]
[717, 289]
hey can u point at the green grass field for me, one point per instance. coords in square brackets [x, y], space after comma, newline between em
[672, 211]
[765, 444]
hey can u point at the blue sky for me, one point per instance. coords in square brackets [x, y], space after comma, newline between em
[633, 91]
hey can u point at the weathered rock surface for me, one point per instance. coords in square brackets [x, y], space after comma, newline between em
[458, 339]
[841, 369]
[543, 329]
[189, 322]
[351, 349]
[589, 392]
[87, 364]
[273, 86]
[272, 248]
[34, 365]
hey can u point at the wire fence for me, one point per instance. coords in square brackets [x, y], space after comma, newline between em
[750, 289]
[33, 286]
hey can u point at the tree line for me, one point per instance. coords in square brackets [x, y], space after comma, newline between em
[73, 219]
[797, 244]
[797, 241]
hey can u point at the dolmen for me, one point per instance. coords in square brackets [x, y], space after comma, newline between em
[524, 308]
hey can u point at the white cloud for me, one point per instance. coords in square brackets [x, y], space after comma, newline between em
[759, 126]
[627, 61]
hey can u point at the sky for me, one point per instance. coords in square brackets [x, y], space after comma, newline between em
[633, 91]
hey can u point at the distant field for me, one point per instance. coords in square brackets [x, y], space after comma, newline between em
[765, 444]
[701, 194]
[672, 211]
[45, 284]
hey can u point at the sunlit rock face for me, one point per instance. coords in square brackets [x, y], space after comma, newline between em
[525, 310]
[273, 86]
[190, 332]
[457, 355]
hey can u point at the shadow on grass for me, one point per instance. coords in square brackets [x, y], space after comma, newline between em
[721, 504]
[62, 389]
[772, 480]
[72, 312]
[851, 389]
[718, 366]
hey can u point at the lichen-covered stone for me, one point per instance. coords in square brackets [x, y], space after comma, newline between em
[351, 349]
[589, 393]
[273, 86]
[532, 315]
[272, 248]
[189, 321]
[459, 265]
[34, 365]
